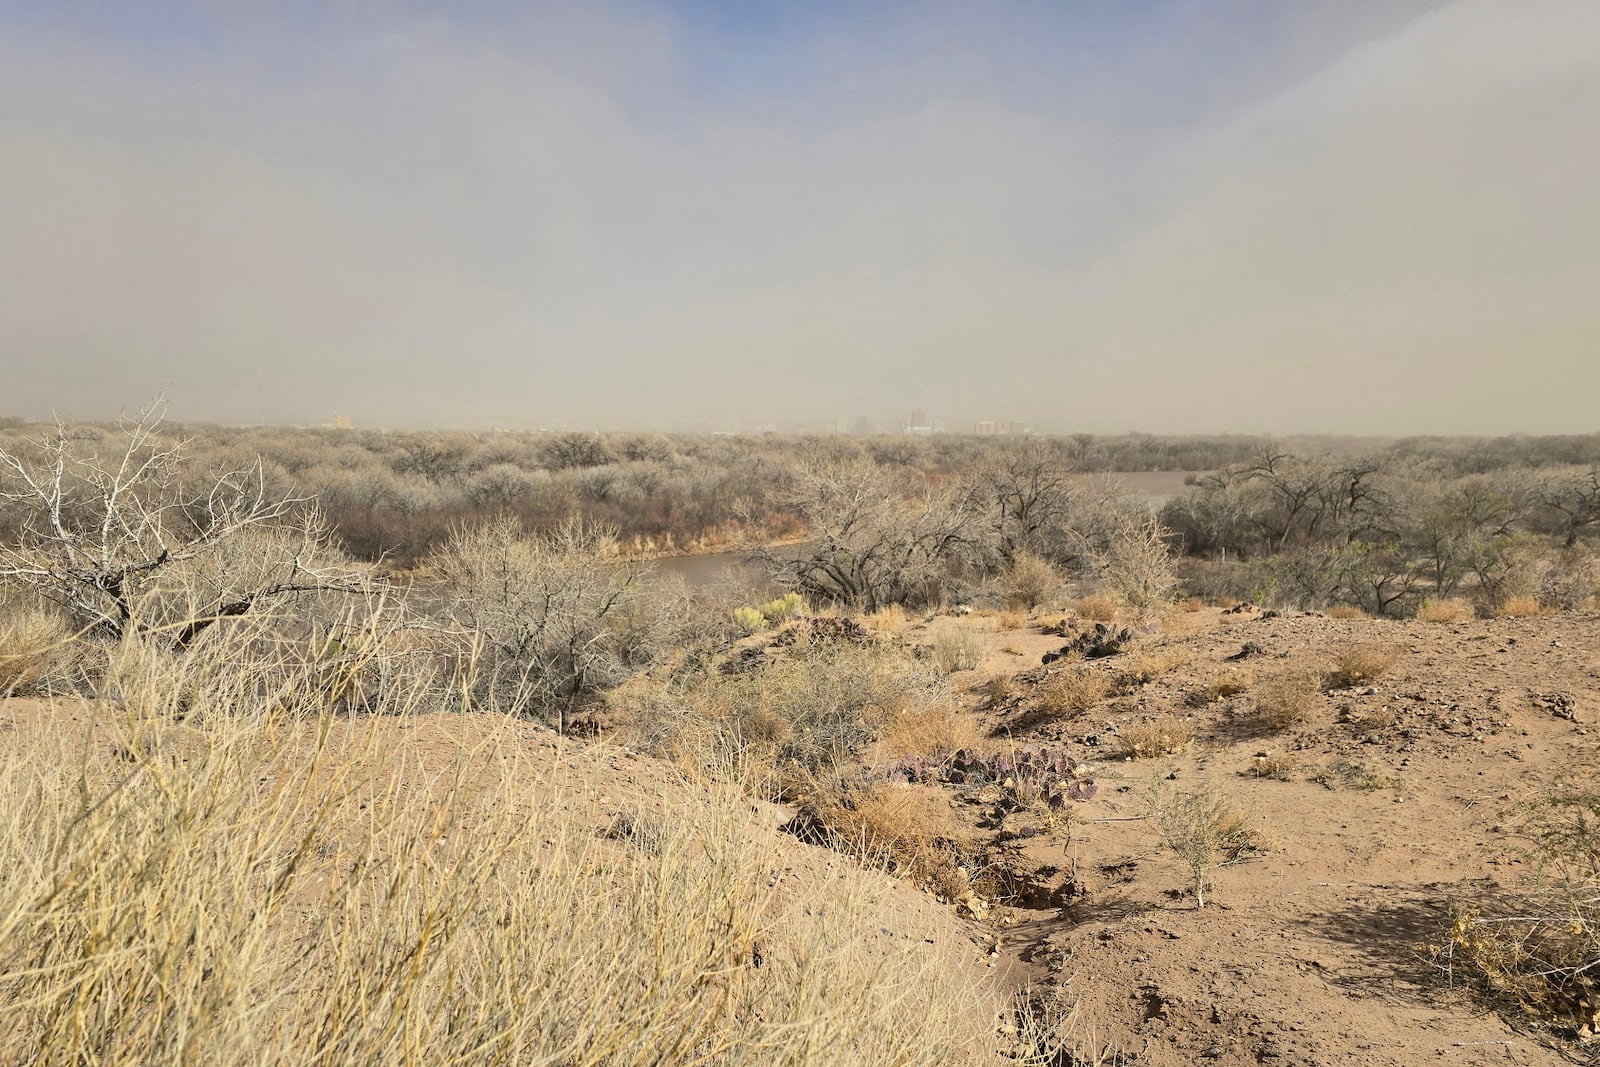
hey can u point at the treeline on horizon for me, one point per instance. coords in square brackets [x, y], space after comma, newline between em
[396, 495]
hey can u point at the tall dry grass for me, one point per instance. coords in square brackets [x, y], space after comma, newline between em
[35, 645]
[222, 868]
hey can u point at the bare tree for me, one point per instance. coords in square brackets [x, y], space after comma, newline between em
[874, 543]
[118, 537]
[1573, 497]
[1028, 495]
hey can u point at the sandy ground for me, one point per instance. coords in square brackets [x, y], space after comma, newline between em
[1405, 796]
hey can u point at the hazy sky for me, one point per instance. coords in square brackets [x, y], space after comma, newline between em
[1353, 215]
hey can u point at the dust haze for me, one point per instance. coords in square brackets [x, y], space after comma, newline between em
[1344, 217]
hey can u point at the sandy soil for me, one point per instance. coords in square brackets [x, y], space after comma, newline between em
[1405, 796]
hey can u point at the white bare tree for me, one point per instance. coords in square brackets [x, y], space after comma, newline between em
[126, 539]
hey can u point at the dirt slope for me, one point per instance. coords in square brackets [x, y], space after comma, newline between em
[1404, 796]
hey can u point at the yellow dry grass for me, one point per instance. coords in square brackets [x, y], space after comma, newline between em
[1164, 736]
[272, 884]
[1447, 609]
[1099, 607]
[1518, 607]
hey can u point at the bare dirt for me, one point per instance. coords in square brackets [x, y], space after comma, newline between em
[1405, 796]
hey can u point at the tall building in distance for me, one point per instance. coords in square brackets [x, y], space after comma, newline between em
[919, 423]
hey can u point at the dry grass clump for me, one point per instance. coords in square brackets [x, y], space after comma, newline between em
[1278, 766]
[910, 827]
[1518, 607]
[34, 646]
[999, 690]
[1011, 620]
[890, 619]
[1143, 667]
[1358, 665]
[1229, 683]
[455, 901]
[1346, 611]
[799, 719]
[1353, 775]
[1164, 736]
[956, 646]
[1068, 693]
[1098, 607]
[928, 727]
[1284, 701]
[1030, 583]
[1448, 609]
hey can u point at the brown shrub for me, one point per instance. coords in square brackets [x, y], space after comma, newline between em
[956, 646]
[999, 689]
[1142, 668]
[1231, 682]
[1279, 766]
[1099, 607]
[1518, 607]
[1346, 611]
[910, 826]
[1284, 700]
[1535, 950]
[1031, 582]
[1358, 665]
[1070, 693]
[886, 620]
[34, 645]
[929, 728]
[1164, 736]
[1010, 620]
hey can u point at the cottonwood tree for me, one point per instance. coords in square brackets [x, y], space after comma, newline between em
[125, 538]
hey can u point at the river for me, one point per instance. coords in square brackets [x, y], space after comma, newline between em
[1154, 487]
